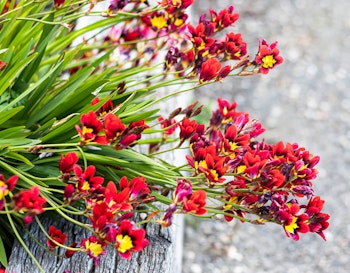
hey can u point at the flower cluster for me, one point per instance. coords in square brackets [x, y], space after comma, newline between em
[268, 178]
[109, 209]
[104, 127]
[207, 54]
[191, 202]
[28, 203]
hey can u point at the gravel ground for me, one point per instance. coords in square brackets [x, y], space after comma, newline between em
[305, 100]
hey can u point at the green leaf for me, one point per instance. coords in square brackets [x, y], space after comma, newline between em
[19, 157]
[40, 49]
[3, 257]
[9, 78]
[18, 141]
[17, 131]
[6, 115]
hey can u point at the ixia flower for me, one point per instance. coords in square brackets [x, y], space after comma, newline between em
[224, 18]
[58, 3]
[187, 128]
[268, 56]
[105, 108]
[169, 125]
[29, 202]
[56, 235]
[94, 248]
[117, 201]
[6, 186]
[87, 181]
[235, 47]
[195, 203]
[91, 127]
[211, 69]
[66, 165]
[137, 187]
[130, 239]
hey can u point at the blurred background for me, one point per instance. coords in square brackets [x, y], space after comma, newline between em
[304, 100]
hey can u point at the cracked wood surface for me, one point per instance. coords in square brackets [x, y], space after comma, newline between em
[159, 256]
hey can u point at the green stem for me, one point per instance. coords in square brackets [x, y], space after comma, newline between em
[51, 239]
[19, 238]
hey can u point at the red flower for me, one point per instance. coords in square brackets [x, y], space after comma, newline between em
[169, 125]
[296, 223]
[2, 65]
[268, 56]
[183, 189]
[94, 248]
[117, 201]
[224, 19]
[181, 4]
[102, 215]
[91, 127]
[105, 108]
[206, 161]
[318, 221]
[87, 182]
[30, 202]
[187, 128]
[6, 186]
[138, 188]
[113, 127]
[129, 239]
[235, 47]
[56, 235]
[195, 203]
[210, 69]
[58, 3]
[70, 252]
[67, 163]
[233, 140]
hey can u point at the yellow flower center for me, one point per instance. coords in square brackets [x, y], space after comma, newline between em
[268, 61]
[125, 243]
[86, 186]
[201, 163]
[3, 189]
[159, 22]
[292, 226]
[95, 248]
[87, 130]
[233, 199]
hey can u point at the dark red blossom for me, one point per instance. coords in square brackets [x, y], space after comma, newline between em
[87, 181]
[187, 128]
[105, 108]
[70, 252]
[58, 3]
[235, 47]
[113, 127]
[130, 239]
[30, 202]
[169, 125]
[94, 248]
[268, 56]
[66, 164]
[195, 203]
[210, 70]
[91, 128]
[56, 235]
[6, 186]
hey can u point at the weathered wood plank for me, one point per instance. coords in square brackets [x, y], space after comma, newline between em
[160, 256]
